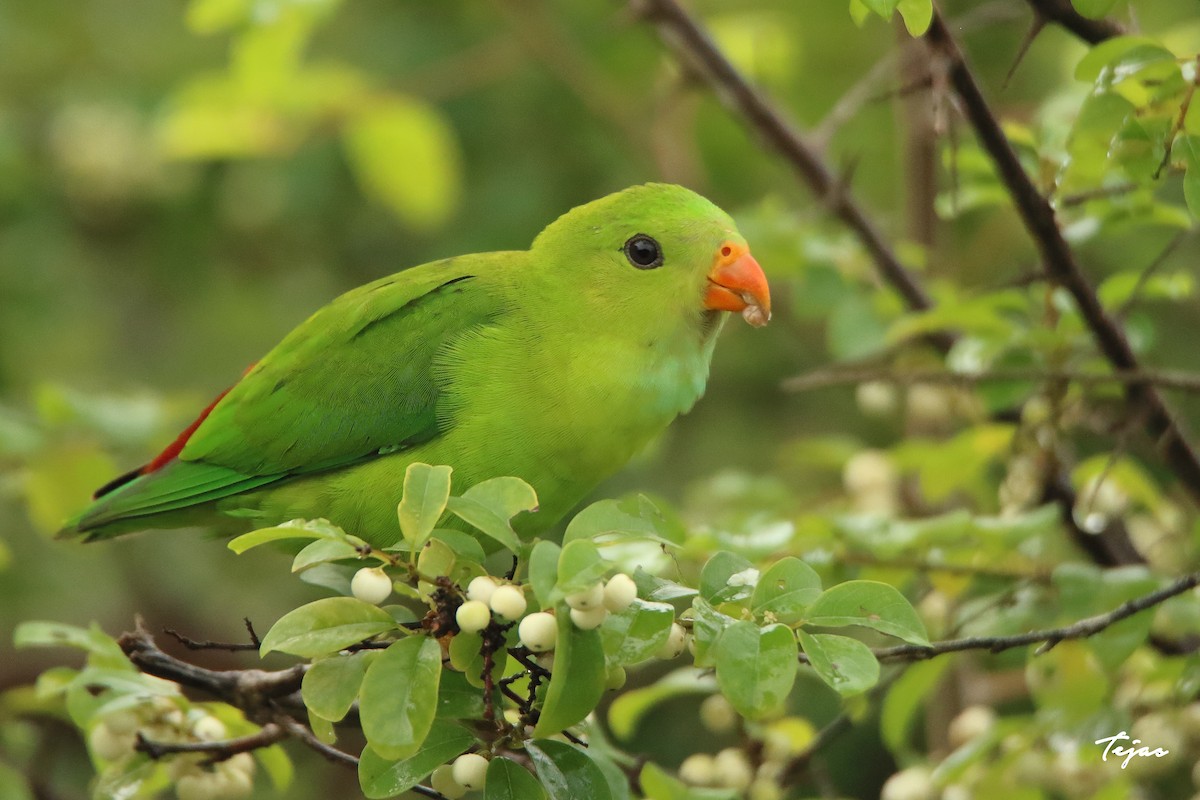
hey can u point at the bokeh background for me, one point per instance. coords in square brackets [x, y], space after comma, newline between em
[181, 183]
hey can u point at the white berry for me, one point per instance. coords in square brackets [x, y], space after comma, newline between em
[587, 619]
[470, 770]
[208, 729]
[371, 585]
[197, 786]
[508, 602]
[443, 781]
[913, 783]
[592, 597]
[472, 616]
[107, 745]
[619, 593]
[718, 714]
[673, 646]
[481, 589]
[538, 631]
[732, 769]
[971, 723]
[698, 769]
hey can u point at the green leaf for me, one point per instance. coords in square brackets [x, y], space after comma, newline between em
[324, 550]
[785, 590]
[1094, 8]
[727, 577]
[871, 604]
[847, 665]
[708, 625]
[627, 710]
[437, 559]
[102, 648]
[577, 681]
[331, 685]
[100, 691]
[854, 329]
[385, 777]
[508, 780]
[277, 765]
[636, 633]
[659, 589]
[904, 702]
[426, 491]
[917, 15]
[457, 698]
[567, 773]
[580, 566]
[1188, 148]
[883, 8]
[296, 529]
[543, 571]
[618, 519]
[1123, 55]
[489, 506]
[756, 667]
[326, 626]
[399, 694]
[657, 784]
[404, 153]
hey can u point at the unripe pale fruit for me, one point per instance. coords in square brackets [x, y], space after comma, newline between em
[236, 781]
[614, 678]
[443, 781]
[589, 598]
[197, 786]
[538, 631]
[868, 471]
[732, 769]
[587, 619]
[971, 723]
[675, 643]
[717, 714]
[481, 589]
[472, 616]
[371, 585]
[876, 398]
[913, 783]
[123, 722]
[470, 770]
[107, 745]
[209, 729]
[508, 602]
[619, 593]
[698, 769]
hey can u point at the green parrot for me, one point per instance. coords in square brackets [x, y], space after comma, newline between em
[555, 364]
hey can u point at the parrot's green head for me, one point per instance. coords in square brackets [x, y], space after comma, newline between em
[650, 258]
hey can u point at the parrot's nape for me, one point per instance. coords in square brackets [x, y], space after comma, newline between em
[554, 364]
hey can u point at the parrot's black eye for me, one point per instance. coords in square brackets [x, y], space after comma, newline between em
[643, 252]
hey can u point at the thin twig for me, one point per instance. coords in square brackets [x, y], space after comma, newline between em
[1047, 639]
[1135, 294]
[194, 644]
[826, 378]
[219, 750]
[1169, 145]
[1060, 264]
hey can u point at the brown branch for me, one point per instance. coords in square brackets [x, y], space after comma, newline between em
[1047, 639]
[1060, 264]
[219, 750]
[695, 49]
[826, 378]
[196, 644]
[256, 692]
[1063, 14]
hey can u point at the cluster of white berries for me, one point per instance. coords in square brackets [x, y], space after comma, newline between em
[728, 769]
[539, 631]
[467, 773]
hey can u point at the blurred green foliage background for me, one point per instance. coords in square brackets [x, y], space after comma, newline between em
[180, 184]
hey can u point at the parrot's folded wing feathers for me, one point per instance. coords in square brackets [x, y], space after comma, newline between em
[354, 381]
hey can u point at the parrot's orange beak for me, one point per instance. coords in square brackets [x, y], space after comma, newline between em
[737, 283]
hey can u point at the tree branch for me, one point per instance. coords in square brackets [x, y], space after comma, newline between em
[1046, 638]
[825, 378]
[694, 48]
[218, 750]
[1063, 14]
[1060, 264]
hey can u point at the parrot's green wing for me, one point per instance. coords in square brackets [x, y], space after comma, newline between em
[355, 381]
